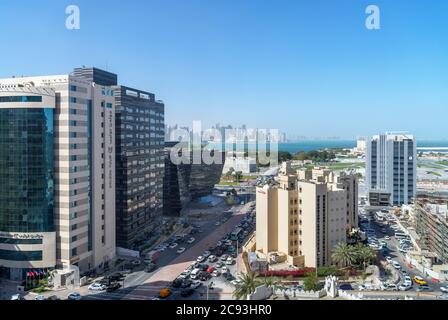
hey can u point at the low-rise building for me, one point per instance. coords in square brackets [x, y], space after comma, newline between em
[305, 215]
[238, 162]
[431, 224]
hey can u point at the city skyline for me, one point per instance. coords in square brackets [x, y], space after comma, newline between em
[309, 60]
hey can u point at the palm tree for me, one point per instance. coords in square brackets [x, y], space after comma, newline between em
[311, 282]
[246, 285]
[365, 254]
[271, 283]
[238, 176]
[343, 254]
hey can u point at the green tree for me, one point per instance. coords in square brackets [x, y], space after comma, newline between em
[238, 176]
[343, 254]
[246, 286]
[284, 156]
[311, 282]
[365, 255]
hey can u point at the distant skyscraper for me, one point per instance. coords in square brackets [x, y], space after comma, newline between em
[391, 169]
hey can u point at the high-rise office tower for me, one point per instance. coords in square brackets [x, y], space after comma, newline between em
[140, 159]
[57, 176]
[140, 165]
[391, 169]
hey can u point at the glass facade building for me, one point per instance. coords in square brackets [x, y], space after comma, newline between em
[26, 170]
[391, 169]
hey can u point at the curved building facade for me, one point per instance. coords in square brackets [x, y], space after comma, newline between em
[27, 231]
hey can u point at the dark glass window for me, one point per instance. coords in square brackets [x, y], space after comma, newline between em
[26, 170]
[20, 255]
[20, 241]
[21, 99]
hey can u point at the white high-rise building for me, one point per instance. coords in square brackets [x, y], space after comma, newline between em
[64, 128]
[391, 169]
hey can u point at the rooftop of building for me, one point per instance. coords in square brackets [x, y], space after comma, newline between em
[437, 206]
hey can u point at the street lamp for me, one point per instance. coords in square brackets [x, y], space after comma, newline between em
[210, 286]
[237, 246]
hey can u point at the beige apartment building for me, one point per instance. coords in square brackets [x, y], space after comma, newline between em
[305, 215]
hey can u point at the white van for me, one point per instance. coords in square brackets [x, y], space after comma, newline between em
[194, 274]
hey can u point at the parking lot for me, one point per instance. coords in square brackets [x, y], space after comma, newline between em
[392, 243]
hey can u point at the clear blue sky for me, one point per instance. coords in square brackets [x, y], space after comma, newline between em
[308, 68]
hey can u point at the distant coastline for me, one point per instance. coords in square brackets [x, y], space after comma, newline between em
[313, 145]
[310, 145]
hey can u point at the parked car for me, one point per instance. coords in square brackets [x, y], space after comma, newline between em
[195, 273]
[173, 245]
[206, 254]
[404, 287]
[391, 287]
[113, 287]
[224, 269]
[444, 289]
[196, 285]
[17, 297]
[200, 259]
[186, 283]
[235, 282]
[204, 276]
[389, 259]
[187, 292]
[219, 264]
[176, 283]
[180, 250]
[346, 286]
[97, 287]
[40, 297]
[150, 267]
[210, 269]
[53, 297]
[423, 288]
[117, 276]
[203, 266]
[212, 258]
[74, 296]
[396, 265]
[136, 262]
[216, 273]
[191, 240]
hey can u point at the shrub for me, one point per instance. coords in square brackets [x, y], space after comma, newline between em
[288, 273]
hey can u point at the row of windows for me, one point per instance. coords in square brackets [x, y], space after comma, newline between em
[20, 241]
[20, 99]
[20, 255]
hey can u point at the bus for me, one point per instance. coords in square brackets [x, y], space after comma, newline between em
[235, 234]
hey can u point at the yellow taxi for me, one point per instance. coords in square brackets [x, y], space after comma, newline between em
[419, 280]
[164, 293]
